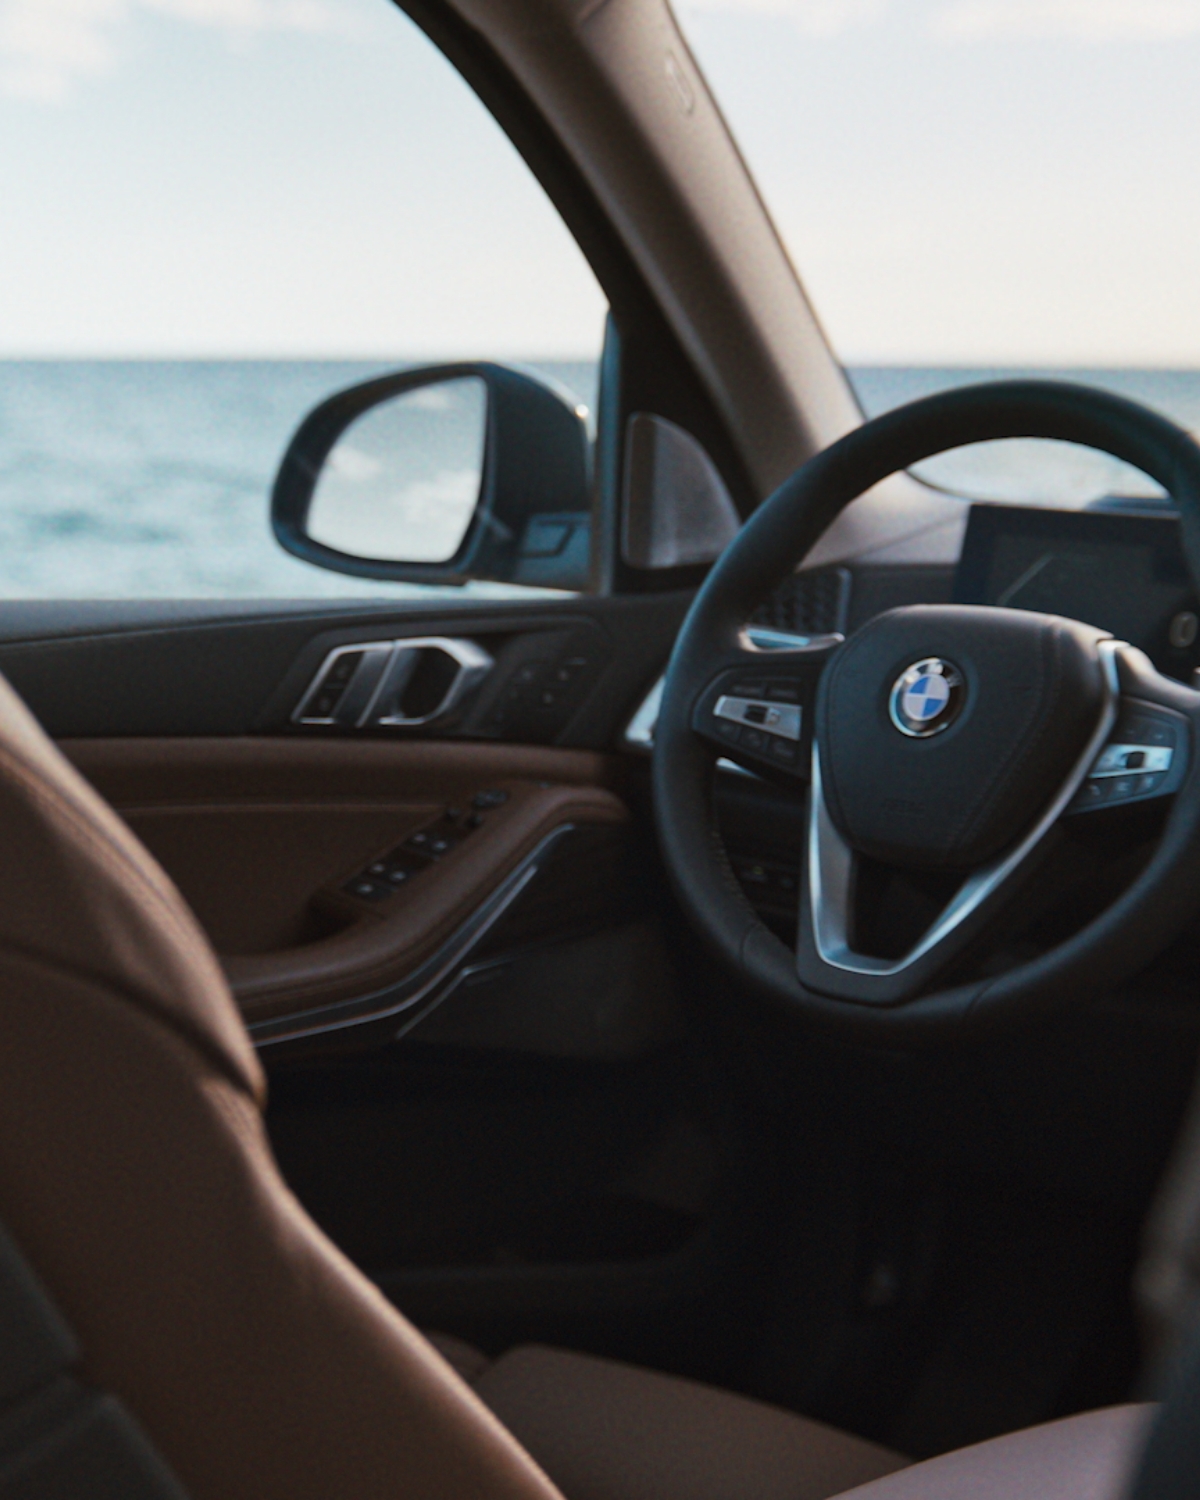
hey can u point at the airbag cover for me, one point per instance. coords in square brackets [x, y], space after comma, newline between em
[1032, 691]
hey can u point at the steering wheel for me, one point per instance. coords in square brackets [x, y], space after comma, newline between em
[951, 743]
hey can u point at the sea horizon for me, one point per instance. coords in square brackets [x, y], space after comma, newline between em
[142, 476]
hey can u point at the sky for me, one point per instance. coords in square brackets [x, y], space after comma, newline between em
[987, 182]
[266, 178]
[977, 181]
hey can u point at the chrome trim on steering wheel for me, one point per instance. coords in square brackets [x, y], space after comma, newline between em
[831, 861]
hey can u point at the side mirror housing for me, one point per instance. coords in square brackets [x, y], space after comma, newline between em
[440, 475]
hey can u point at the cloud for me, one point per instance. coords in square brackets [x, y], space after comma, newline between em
[1084, 20]
[47, 45]
[813, 17]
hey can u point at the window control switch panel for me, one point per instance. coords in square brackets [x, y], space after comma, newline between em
[392, 871]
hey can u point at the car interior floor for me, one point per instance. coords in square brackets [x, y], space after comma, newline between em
[924, 1248]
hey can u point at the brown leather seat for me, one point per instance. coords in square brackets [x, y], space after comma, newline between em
[136, 1179]
[606, 1431]
[1088, 1457]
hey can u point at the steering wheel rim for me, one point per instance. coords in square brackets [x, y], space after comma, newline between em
[1151, 909]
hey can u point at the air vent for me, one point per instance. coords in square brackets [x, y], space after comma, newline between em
[816, 603]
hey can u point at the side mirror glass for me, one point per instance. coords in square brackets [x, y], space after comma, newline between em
[402, 481]
[440, 475]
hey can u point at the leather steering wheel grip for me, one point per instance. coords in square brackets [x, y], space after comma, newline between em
[767, 550]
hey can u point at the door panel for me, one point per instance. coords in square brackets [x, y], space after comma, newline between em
[518, 1151]
[235, 668]
[273, 843]
[184, 718]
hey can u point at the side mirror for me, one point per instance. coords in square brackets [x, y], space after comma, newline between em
[440, 475]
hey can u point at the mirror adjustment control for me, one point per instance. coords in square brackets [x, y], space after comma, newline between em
[541, 681]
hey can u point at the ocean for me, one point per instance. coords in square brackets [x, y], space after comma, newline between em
[150, 479]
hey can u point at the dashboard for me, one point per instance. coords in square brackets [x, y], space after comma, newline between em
[1124, 572]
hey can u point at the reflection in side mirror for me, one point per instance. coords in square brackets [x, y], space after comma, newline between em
[402, 481]
[438, 476]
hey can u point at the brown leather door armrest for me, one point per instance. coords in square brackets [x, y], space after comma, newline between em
[261, 835]
[387, 941]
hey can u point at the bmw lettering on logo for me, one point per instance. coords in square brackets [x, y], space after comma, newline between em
[926, 698]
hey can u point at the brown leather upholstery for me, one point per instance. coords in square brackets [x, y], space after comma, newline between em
[256, 832]
[607, 1431]
[136, 1179]
[1087, 1457]
[387, 941]
[254, 874]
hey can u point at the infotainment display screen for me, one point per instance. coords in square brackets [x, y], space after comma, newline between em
[1124, 573]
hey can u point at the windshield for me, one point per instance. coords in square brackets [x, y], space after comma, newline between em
[980, 188]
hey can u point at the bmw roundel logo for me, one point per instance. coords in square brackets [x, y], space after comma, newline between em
[926, 698]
